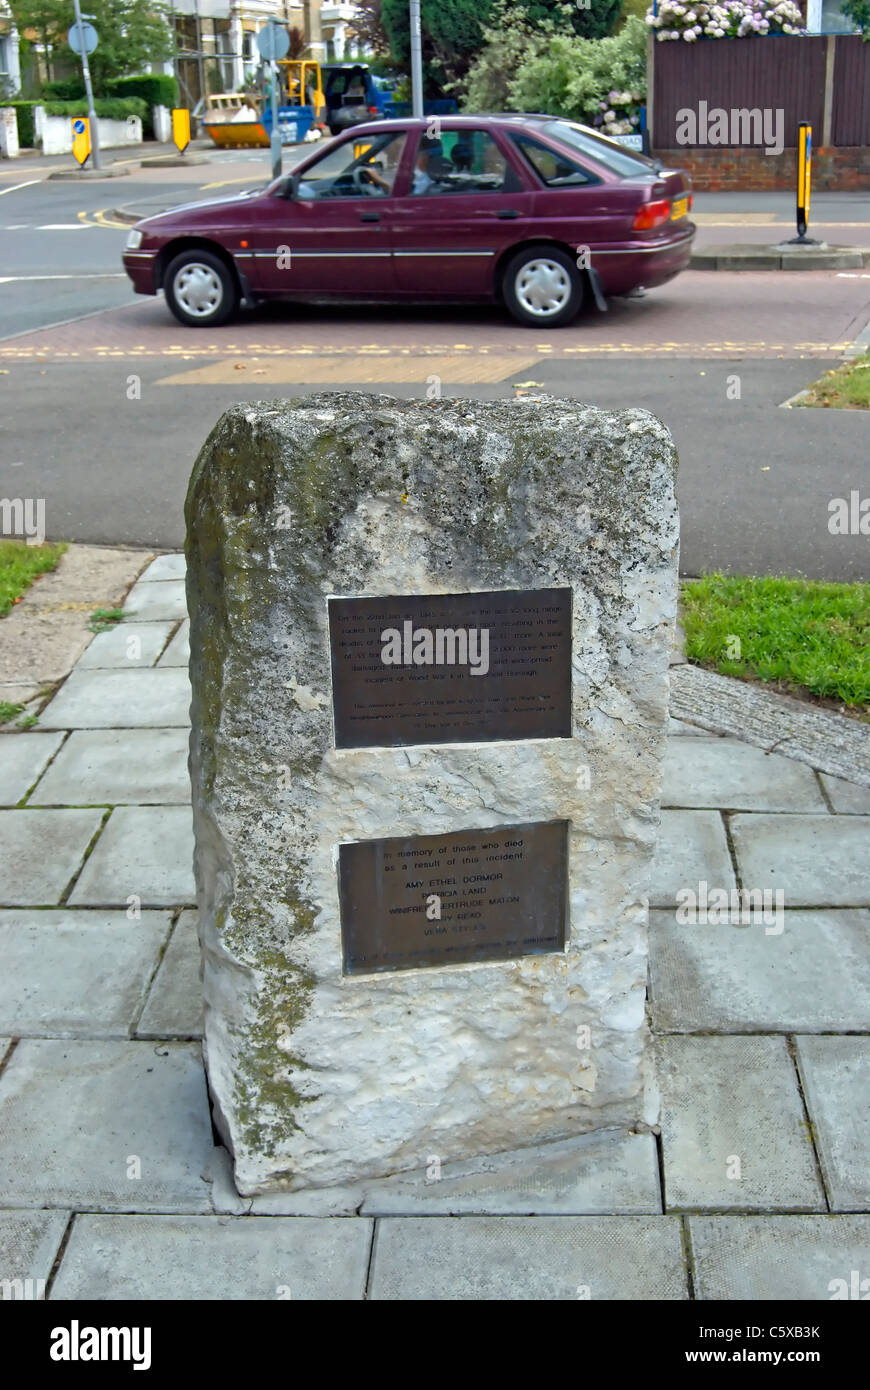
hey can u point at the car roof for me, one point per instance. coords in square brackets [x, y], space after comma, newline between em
[423, 123]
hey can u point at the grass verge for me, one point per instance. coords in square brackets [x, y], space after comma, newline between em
[20, 564]
[803, 636]
[842, 388]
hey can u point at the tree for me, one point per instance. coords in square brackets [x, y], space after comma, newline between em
[131, 33]
[594, 21]
[367, 27]
[452, 35]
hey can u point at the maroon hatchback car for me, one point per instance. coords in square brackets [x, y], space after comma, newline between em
[536, 212]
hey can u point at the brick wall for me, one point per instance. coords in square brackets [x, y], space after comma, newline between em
[716, 169]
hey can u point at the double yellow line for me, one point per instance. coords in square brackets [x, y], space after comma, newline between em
[101, 218]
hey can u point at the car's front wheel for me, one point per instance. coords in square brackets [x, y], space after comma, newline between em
[542, 287]
[200, 289]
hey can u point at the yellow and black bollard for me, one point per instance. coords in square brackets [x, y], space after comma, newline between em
[804, 178]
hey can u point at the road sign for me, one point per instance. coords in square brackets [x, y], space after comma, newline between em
[89, 34]
[81, 138]
[273, 42]
[181, 128]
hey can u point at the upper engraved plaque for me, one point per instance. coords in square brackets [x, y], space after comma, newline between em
[451, 668]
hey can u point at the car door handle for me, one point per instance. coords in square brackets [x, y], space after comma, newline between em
[370, 217]
[505, 213]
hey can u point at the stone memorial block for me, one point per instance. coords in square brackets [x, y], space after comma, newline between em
[429, 657]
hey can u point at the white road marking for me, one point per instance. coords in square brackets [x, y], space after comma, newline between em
[60, 226]
[16, 186]
[100, 275]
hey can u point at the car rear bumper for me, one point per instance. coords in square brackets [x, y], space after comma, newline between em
[141, 267]
[647, 263]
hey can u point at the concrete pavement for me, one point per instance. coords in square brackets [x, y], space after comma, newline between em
[757, 1189]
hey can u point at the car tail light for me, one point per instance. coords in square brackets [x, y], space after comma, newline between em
[651, 215]
[373, 110]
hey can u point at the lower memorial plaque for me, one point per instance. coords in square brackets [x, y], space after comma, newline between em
[474, 895]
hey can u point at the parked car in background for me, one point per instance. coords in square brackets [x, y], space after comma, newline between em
[538, 213]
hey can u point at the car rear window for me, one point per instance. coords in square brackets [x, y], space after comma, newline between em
[553, 168]
[614, 157]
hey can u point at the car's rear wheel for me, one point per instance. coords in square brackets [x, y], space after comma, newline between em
[542, 287]
[200, 289]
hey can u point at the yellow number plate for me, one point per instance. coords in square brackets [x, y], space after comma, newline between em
[679, 208]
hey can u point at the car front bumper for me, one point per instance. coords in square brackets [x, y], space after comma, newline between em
[141, 267]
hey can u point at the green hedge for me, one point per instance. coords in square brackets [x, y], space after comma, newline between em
[155, 88]
[70, 89]
[24, 115]
[110, 108]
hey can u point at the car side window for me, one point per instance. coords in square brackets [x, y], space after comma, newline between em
[553, 168]
[461, 161]
[360, 168]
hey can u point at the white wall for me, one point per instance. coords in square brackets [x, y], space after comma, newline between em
[57, 135]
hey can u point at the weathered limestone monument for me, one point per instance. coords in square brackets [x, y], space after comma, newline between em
[430, 688]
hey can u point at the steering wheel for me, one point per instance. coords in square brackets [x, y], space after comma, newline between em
[363, 182]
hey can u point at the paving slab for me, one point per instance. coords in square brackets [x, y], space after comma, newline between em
[732, 1105]
[608, 1172]
[29, 1242]
[178, 651]
[174, 1008]
[793, 1258]
[155, 601]
[144, 850]
[816, 860]
[739, 979]
[76, 974]
[40, 851]
[120, 700]
[835, 1073]
[726, 773]
[678, 727]
[22, 758]
[534, 1257]
[224, 1258]
[169, 566]
[76, 1116]
[691, 847]
[127, 646]
[847, 798]
[112, 767]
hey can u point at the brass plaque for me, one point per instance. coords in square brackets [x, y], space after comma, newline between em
[445, 899]
[451, 668]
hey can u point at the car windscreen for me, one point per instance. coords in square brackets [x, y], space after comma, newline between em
[614, 157]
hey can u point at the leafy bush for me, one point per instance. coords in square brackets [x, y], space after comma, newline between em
[732, 19]
[594, 21]
[67, 89]
[109, 108]
[26, 126]
[155, 88]
[859, 13]
[537, 68]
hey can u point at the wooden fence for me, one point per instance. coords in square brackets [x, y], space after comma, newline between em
[822, 79]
